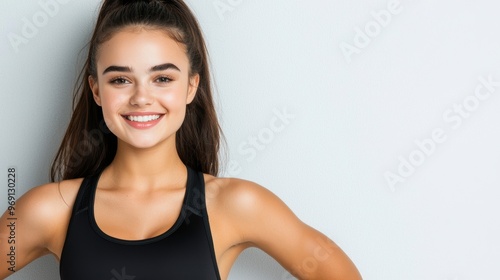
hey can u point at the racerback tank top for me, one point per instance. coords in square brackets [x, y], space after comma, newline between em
[185, 251]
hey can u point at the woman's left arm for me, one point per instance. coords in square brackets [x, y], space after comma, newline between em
[265, 222]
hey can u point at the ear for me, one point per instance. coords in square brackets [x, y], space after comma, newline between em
[95, 90]
[194, 81]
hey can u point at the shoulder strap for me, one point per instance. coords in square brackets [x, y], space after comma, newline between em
[195, 200]
[83, 197]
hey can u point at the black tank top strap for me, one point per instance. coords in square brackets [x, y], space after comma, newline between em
[195, 192]
[82, 200]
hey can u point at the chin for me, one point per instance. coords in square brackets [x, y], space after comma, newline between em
[144, 143]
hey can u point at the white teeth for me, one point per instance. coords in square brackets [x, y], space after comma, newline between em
[143, 118]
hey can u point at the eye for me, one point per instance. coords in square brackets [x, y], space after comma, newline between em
[163, 79]
[119, 81]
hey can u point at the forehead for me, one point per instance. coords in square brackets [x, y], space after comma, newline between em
[140, 47]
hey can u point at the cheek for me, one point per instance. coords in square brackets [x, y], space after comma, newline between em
[110, 102]
[175, 99]
[110, 105]
[171, 100]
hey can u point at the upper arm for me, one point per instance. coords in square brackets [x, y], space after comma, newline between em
[26, 232]
[267, 223]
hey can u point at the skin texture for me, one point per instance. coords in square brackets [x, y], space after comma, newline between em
[140, 194]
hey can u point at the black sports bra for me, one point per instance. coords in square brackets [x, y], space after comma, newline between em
[185, 251]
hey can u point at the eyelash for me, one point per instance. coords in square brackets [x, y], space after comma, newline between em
[123, 80]
[118, 80]
[166, 79]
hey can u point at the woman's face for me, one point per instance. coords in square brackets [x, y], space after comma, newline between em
[143, 86]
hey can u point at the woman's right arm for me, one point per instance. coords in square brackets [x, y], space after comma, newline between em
[30, 229]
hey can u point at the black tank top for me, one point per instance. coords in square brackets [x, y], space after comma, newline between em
[185, 251]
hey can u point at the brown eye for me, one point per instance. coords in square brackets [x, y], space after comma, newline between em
[119, 81]
[163, 79]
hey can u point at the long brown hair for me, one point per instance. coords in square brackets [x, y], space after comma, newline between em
[88, 146]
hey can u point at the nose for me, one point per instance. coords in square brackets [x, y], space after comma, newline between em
[141, 96]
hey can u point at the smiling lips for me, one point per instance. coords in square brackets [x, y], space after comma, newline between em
[143, 118]
[143, 121]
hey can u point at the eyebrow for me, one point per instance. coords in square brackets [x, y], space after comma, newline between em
[161, 67]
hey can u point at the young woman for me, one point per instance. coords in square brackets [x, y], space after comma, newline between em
[138, 195]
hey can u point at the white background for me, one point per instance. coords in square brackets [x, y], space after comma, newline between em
[355, 118]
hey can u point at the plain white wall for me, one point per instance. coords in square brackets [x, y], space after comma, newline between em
[377, 122]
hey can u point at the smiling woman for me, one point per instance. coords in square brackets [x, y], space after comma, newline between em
[145, 202]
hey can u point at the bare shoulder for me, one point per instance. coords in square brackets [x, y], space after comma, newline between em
[238, 194]
[247, 206]
[50, 197]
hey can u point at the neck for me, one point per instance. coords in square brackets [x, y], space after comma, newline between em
[149, 168]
